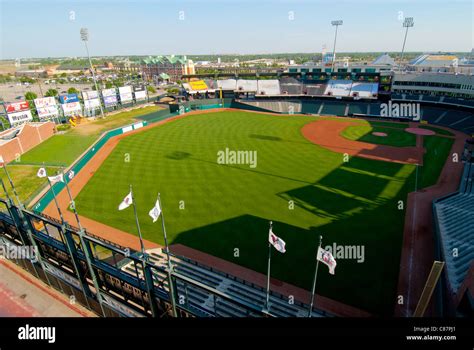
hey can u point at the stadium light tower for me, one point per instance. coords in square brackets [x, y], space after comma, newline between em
[407, 23]
[85, 38]
[337, 24]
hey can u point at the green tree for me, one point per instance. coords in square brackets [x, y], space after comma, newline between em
[72, 90]
[51, 93]
[109, 85]
[30, 96]
[151, 89]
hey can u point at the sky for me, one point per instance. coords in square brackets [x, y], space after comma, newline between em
[50, 28]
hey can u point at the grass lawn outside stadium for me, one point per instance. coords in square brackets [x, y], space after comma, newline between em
[229, 206]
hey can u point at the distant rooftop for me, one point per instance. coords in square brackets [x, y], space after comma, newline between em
[173, 59]
[384, 59]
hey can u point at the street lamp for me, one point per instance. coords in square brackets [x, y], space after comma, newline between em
[85, 38]
[407, 23]
[337, 24]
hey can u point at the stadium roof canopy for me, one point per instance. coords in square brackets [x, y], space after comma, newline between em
[164, 59]
[428, 60]
[384, 59]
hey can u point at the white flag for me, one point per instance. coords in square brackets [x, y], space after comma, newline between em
[326, 257]
[155, 211]
[2, 162]
[57, 178]
[126, 202]
[276, 241]
[41, 172]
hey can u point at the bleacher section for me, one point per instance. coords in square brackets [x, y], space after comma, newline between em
[285, 107]
[209, 305]
[364, 90]
[459, 120]
[333, 108]
[311, 107]
[268, 87]
[341, 88]
[358, 108]
[227, 84]
[455, 217]
[314, 89]
[291, 86]
[247, 85]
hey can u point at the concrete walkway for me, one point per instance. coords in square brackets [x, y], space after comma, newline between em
[23, 295]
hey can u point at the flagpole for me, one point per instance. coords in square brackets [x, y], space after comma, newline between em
[11, 184]
[138, 224]
[72, 203]
[54, 197]
[170, 267]
[94, 280]
[315, 278]
[24, 221]
[84, 248]
[268, 271]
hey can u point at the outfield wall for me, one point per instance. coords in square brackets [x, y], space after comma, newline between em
[29, 136]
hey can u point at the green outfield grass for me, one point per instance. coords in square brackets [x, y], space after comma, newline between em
[63, 149]
[395, 136]
[26, 183]
[223, 209]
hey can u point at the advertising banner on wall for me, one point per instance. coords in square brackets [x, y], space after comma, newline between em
[16, 118]
[92, 104]
[73, 108]
[46, 107]
[125, 94]
[90, 95]
[69, 98]
[140, 93]
[17, 106]
[110, 97]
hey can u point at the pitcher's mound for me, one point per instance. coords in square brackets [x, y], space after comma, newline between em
[420, 131]
[381, 134]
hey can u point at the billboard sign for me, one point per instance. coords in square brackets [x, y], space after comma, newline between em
[72, 108]
[110, 101]
[17, 107]
[16, 118]
[125, 94]
[45, 102]
[140, 93]
[69, 98]
[47, 112]
[92, 104]
[90, 95]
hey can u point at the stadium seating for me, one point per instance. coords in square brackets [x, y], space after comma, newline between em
[341, 88]
[311, 107]
[364, 90]
[227, 84]
[284, 107]
[204, 303]
[358, 108]
[247, 85]
[333, 108]
[268, 87]
[455, 217]
[314, 89]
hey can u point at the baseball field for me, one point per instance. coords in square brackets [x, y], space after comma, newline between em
[223, 207]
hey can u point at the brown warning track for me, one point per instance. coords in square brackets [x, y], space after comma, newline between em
[419, 234]
[326, 133]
